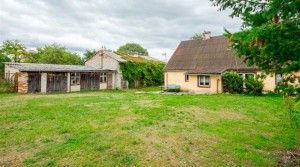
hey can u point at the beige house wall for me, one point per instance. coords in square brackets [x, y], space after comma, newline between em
[178, 78]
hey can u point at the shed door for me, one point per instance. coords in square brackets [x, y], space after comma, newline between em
[109, 81]
[89, 81]
[34, 82]
[57, 82]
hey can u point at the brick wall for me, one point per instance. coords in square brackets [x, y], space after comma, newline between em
[23, 82]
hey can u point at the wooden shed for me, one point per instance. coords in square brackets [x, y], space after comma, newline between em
[46, 78]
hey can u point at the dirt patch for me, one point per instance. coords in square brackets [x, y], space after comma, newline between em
[210, 116]
[290, 158]
[125, 119]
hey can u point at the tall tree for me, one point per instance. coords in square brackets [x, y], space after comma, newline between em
[270, 38]
[133, 48]
[33, 57]
[13, 49]
[57, 54]
[196, 36]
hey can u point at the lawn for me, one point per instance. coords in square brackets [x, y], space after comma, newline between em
[123, 128]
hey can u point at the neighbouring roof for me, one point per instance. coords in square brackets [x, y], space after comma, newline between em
[115, 56]
[34, 67]
[210, 56]
[125, 57]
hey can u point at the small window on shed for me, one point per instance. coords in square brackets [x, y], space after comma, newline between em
[103, 77]
[75, 78]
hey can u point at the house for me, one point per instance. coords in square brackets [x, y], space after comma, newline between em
[198, 65]
[101, 71]
[112, 61]
[45, 78]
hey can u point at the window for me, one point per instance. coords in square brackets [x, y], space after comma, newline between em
[186, 78]
[103, 77]
[278, 78]
[204, 80]
[247, 75]
[75, 78]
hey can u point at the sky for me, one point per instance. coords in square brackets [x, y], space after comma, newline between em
[157, 25]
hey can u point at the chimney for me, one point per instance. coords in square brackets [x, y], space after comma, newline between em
[206, 35]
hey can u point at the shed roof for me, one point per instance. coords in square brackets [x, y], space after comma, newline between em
[210, 56]
[35, 67]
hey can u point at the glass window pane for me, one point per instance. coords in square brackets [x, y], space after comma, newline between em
[207, 80]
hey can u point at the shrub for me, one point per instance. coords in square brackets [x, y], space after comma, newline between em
[232, 82]
[254, 86]
[6, 86]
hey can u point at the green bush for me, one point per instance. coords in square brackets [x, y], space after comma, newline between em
[254, 86]
[232, 82]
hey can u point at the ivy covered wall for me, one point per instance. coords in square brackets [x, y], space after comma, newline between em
[149, 72]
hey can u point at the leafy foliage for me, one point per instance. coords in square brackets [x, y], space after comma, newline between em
[3, 58]
[57, 54]
[254, 86]
[196, 36]
[270, 37]
[151, 73]
[13, 49]
[232, 82]
[133, 48]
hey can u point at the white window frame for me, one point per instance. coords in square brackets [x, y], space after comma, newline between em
[103, 77]
[75, 79]
[244, 77]
[206, 78]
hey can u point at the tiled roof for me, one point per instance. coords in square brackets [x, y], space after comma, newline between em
[34, 67]
[210, 56]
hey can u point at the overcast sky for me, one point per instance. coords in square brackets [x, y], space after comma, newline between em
[158, 25]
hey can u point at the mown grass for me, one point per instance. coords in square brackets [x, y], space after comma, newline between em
[122, 128]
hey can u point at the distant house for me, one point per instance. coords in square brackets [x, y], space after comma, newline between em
[197, 66]
[101, 71]
[110, 60]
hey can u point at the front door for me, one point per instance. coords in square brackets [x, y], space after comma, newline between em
[57, 82]
[109, 81]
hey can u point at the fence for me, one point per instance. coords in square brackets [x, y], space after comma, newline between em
[8, 82]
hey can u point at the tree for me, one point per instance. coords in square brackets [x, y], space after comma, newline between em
[3, 58]
[88, 54]
[57, 54]
[196, 36]
[133, 48]
[33, 57]
[270, 37]
[13, 49]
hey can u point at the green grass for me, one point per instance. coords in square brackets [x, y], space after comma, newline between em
[122, 128]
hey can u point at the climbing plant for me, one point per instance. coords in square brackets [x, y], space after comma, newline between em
[149, 72]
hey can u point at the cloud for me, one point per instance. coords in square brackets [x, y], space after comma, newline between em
[157, 25]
